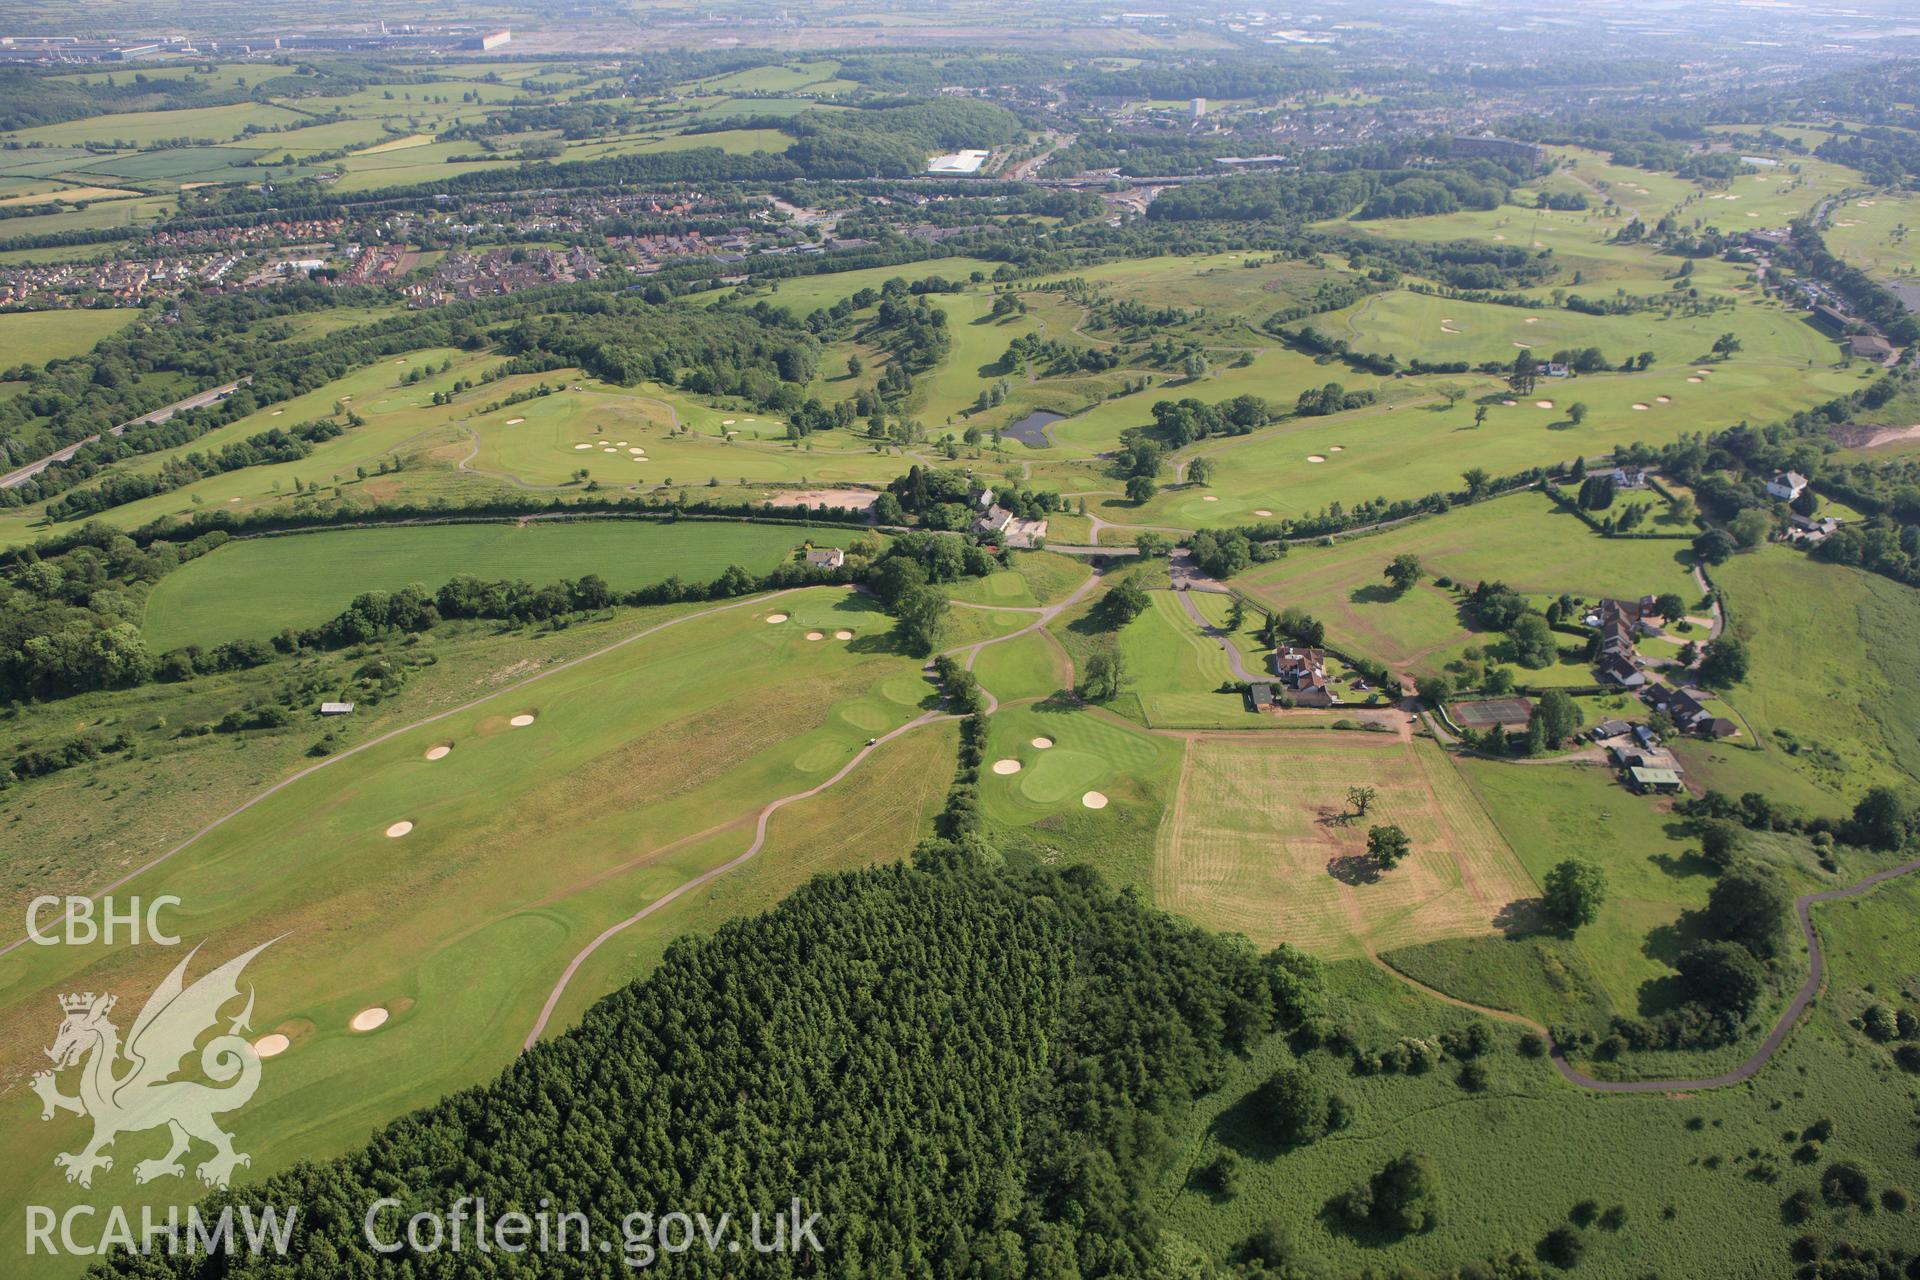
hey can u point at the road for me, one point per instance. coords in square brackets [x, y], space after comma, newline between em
[1221, 637]
[14, 479]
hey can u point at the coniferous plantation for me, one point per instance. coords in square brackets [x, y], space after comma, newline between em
[980, 1072]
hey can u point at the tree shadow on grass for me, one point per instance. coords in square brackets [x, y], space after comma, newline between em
[1354, 869]
[1680, 868]
[1666, 944]
[1375, 593]
[1239, 1130]
[1526, 918]
[1365, 1232]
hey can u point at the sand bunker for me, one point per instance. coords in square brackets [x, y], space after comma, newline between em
[776, 617]
[1262, 512]
[621, 443]
[1339, 448]
[1314, 457]
[843, 635]
[1543, 404]
[726, 422]
[1641, 406]
[1094, 800]
[514, 422]
[399, 829]
[1663, 399]
[816, 635]
[1498, 236]
[583, 446]
[271, 1046]
[1703, 372]
[1006, 766]
[1531, 320]
[1696, 378]
[1209, 498]
[1509, 403]
[521, 721]
[368, 1019]
[1524, 346]
[609, 449]
[438, 753]
[1043, 743]
[276, 413]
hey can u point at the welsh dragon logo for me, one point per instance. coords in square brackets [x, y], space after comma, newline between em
[143, 1094]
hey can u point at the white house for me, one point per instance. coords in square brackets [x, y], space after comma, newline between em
[1787, 486]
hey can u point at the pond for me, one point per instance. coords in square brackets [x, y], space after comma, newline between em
[1032, 429]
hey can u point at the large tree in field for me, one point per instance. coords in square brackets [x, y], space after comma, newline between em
[1404, 570]
[1292, 1106]
[1575, 892]
[1725, 663]
[1387, 845]
[921, 615]
[1106, 672]
[1749, 905]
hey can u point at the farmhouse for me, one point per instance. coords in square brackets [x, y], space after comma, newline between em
[1629, 478]
[1787, 486]
[1304, 673]
[1802, 529]
[826, 557]
[992, 520]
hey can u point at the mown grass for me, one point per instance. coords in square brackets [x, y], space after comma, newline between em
[1521, 539]
[35, 337]
[527, 842]
[255, 587]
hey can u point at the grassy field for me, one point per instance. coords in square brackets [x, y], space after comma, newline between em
[1698, 1178]
[253, 588]
[1448, 329]
[35, 337]
[1256, 844]
[1875, 233]
[636, 765]
[1829, 694]
[1521, 539]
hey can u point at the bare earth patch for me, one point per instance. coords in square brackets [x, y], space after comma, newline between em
[838, 499]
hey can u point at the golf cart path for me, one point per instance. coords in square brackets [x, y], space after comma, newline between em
[1042, 616]
[1219, 635]
[1789, 1018]
[390, 734]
